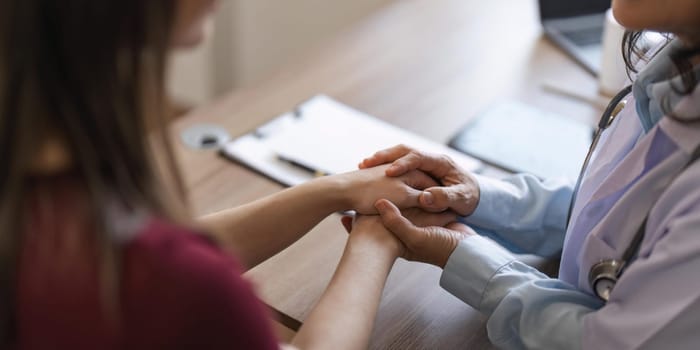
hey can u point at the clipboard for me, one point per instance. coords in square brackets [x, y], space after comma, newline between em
[323, 136]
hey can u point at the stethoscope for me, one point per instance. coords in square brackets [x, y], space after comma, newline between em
[603, 275]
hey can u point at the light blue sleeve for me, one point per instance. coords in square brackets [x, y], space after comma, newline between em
[526, 309]
[523, 213]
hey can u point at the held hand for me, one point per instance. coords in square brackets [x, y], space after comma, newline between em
[459, 191]
[416, 216]
[365, 187]
[369, 229]
[431, 244]
[373, 226]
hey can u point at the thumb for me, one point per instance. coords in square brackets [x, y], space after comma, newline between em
[394, 221]
[455, 197]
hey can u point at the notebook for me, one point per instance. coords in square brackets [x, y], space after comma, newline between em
[521, 138]
[323, 136]
[576, 26]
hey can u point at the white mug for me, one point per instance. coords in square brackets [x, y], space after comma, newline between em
[613, 74]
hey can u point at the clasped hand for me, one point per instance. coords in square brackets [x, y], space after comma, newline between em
[418, 221]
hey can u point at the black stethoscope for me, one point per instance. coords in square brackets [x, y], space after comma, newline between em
[603, 275]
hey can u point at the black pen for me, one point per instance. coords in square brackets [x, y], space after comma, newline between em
[315, 172]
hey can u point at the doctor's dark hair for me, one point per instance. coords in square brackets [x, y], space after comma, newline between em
[92, 74]
[633, 51]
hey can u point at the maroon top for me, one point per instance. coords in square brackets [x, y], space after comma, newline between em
[177, 290]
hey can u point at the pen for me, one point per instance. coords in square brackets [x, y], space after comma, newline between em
[596, 101]
[315, 172]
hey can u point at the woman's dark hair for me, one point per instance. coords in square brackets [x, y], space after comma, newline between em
[90, 72]
[633, 50]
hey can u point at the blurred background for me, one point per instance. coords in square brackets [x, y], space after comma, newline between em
[251, 39]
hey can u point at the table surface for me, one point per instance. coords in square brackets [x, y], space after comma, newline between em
[427, 66]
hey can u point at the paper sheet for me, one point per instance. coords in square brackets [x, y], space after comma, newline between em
[327, 136]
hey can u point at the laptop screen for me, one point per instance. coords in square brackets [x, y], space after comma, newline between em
[550, 9]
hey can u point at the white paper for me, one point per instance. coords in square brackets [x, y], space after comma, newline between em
[329, 137]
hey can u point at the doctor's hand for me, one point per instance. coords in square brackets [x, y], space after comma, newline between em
[459, 189]
[429, 244]
[362, 188]
[418, 218]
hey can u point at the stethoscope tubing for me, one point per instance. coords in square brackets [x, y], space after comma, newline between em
[605, 121]
[610, 270]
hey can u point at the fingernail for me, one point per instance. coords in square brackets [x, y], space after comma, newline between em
[427, 198]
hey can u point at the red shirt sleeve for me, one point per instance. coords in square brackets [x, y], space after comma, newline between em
[174, 288]
[184, 292]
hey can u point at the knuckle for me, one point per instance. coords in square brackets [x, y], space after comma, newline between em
[466, 192]
[418, 154]
[460, 194]
[441, 195]
[450, 197]
[414, 157]
[446, 160]
[402, 147]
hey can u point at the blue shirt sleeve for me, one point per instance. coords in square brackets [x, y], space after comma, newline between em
[523, 213]
[526, 309]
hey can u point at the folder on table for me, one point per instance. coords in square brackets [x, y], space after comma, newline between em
[521, 138]
[323, 136]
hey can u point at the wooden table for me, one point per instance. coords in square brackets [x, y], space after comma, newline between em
[424, 65]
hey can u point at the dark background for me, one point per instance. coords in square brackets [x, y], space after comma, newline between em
[568, 8]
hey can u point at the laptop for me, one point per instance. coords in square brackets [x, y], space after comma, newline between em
[577, 27]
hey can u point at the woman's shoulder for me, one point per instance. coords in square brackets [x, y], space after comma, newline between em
[177, 277]
[171, 243]
[183, 258]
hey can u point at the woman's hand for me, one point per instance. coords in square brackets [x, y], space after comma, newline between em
[430, 226]
[417, 216]
[459, 191]
[432, 244]
[369, 229]
[364, 187]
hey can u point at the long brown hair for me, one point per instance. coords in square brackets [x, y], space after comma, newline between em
[91, 72]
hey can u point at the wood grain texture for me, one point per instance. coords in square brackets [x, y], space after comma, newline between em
[427, 66]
